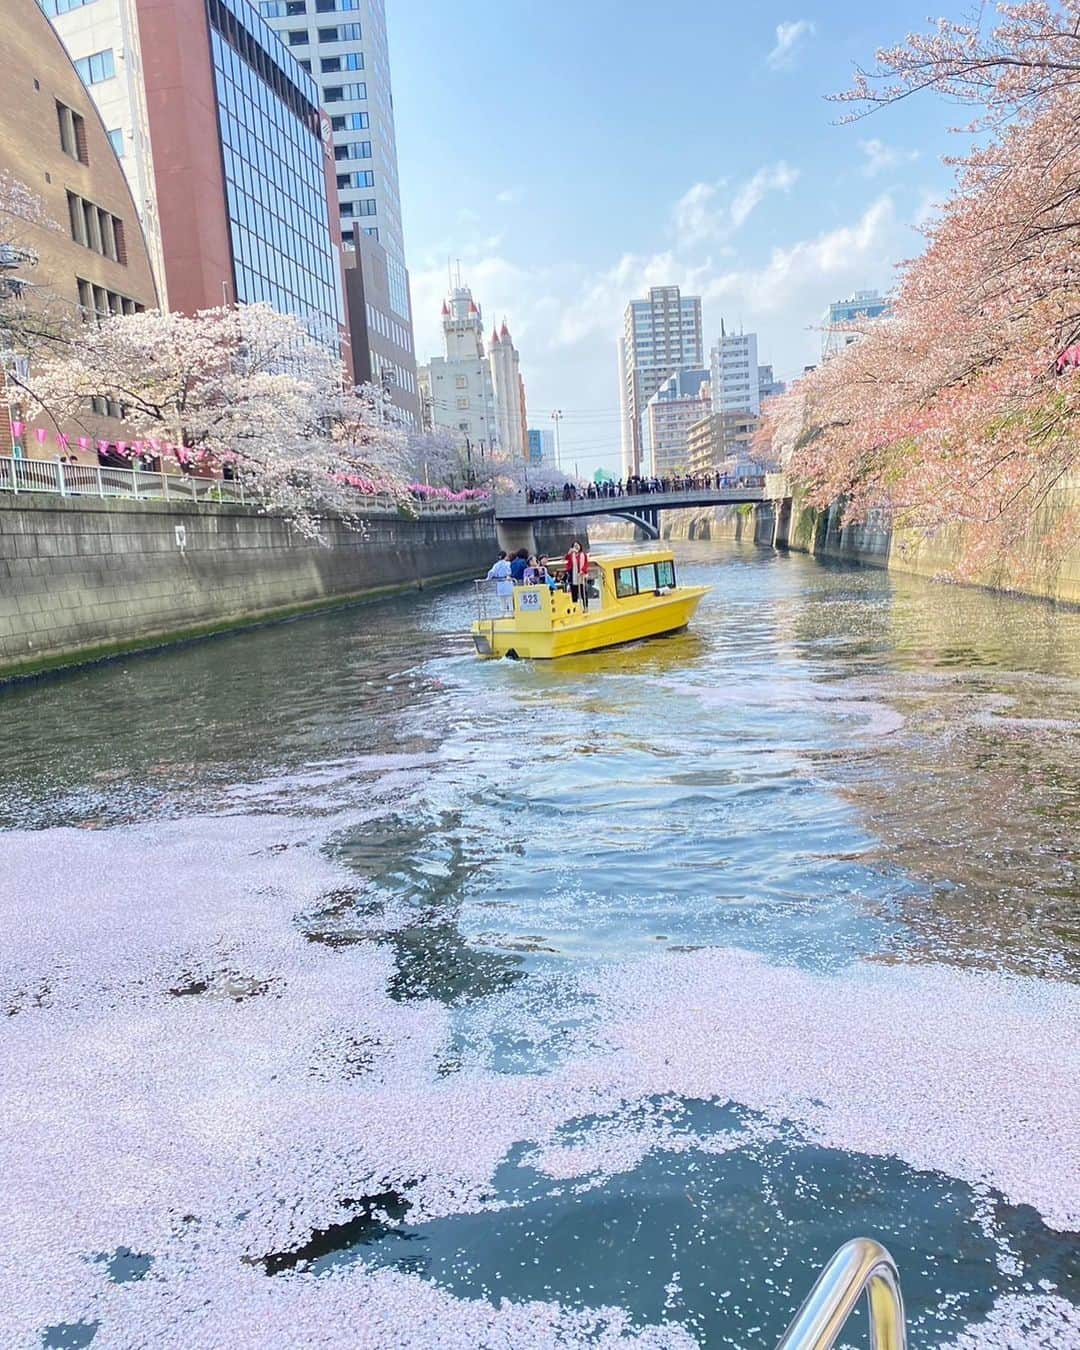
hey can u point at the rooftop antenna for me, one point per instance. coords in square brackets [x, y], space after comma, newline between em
[459, 273]
[449, 273]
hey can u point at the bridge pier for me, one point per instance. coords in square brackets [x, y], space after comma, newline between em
[515, 534]
[782, 522]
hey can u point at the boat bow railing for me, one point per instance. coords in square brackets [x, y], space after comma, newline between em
[861, 1265]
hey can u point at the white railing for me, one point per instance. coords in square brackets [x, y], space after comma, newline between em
[106, 480]
[93, 480]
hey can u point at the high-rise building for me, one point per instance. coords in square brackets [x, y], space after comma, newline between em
[661, 335]
[381, 343]
[681, 400]
[723, 443]
[343, 45]
[835, 334]
[222, 139]
[768, 385]
[92, 260]
[510, 418]
[541, 447]
[733, 365]
[460, 385]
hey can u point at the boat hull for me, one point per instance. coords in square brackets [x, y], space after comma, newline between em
[588, 632]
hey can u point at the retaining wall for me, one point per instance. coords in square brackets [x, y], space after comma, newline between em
[1044, 563]
[82, 578]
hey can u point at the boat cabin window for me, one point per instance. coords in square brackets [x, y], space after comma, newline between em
[644, 579]
[624, 582]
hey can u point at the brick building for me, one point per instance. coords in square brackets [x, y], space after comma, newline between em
[91, 259]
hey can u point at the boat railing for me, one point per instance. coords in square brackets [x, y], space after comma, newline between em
[861, 1265]
[490, 604]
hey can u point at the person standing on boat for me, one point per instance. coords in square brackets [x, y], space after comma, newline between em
[577, 571]
[518, 563]
[500, 575]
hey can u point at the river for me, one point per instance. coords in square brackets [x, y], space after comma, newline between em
[363, 993]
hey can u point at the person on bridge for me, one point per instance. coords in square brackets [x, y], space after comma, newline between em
[577, 571]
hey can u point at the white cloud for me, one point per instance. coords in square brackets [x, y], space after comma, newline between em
[880, 157]
[788, 38]
[777, 178]
[508, 196]
[695, 216]
[699, 215]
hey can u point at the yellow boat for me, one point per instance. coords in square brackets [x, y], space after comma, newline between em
[632, 596]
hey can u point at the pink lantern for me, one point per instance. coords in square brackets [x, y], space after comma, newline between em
[121, 447]
[17, 429]
[84, 442]
[1070, 357]
[40, 433]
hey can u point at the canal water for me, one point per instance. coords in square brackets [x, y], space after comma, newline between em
[360, 993]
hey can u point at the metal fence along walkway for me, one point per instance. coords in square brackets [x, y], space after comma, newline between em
[93, 480]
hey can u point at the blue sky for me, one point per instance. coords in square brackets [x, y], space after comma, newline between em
[571, 155]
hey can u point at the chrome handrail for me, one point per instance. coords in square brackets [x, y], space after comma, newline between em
[859, 1265]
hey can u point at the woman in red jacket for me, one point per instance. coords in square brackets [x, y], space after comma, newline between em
[577, 569]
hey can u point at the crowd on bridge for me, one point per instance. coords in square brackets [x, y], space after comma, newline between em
[635, 485]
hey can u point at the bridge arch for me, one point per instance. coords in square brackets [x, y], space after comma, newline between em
[649, 527]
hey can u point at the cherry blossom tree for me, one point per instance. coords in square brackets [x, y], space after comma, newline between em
[242, 386]
[29, 312]
[959, 406]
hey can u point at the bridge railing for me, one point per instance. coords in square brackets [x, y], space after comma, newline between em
[517, 504]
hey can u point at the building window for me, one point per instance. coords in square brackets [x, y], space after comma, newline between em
[96, 229]
[345, 32]
[272, 9]
[345, 209]
[306, 65]
[100, 66]
[298, 37]
[97, 302]
[353, 150]
[116, 139]
[463, 403]
[461, 382]
[344, 93]
[330, 64]
[335, 6]
[372, 231]
[54, 7]
[354, 61]
[72, 133]
[366, 207]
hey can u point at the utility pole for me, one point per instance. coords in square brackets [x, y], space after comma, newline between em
[556, 417]
[468, 462]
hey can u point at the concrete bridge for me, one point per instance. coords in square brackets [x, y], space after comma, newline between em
[515, 515]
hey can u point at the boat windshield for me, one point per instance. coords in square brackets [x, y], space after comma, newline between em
[644, 578]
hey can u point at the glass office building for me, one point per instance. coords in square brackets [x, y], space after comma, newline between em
[275, 182]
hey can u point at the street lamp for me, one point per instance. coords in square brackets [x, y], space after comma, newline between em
[556, 417]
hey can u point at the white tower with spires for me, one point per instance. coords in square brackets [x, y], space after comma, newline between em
[462, 394]
[476, 393]
[510, 416]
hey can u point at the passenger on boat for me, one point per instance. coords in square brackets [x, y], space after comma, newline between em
[577, 570]
[518, 564]
[499, 573]
[536, 573]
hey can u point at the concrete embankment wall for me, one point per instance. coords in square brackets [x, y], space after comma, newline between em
[1044, 563]
[82, 579]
